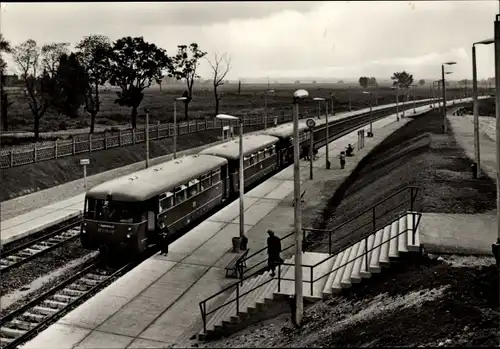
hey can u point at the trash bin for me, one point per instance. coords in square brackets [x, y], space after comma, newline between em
[473, 168]
[236, 244]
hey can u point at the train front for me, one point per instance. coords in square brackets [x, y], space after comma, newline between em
[111, 225]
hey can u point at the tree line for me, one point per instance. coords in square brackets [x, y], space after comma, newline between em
[64, 81]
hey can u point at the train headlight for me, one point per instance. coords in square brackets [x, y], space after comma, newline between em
[129, 228]
[129, 236]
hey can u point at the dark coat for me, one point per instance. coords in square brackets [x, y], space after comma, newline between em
[273, 246]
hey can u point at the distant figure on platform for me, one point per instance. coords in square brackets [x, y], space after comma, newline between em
[273, 252]
[342, 159]
[349, 151]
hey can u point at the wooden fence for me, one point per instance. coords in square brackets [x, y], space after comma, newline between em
[100, 141]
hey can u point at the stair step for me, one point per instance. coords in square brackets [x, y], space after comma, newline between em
[393, 245]
[252, 296]
[361, 255]
[336, 286]
[383, 259]
[403, 237]
[346, 277]
[327, 289]
[259, 293]
[413, 245]
[364, 271]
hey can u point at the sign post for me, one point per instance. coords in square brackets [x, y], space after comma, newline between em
[311, 123]
[84, 163]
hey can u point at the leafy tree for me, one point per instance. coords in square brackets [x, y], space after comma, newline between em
[94, 55]
[135, 64]
[421, 82]
[51, 54]
[4, 100]
[68, 86]
[184, 65]
[37, 82]
[363, 81]
[402, 79]
[221, 65]
[372, 82]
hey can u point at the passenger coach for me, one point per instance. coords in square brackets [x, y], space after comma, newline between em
[131, 212]
[285, 144]
[259, 158]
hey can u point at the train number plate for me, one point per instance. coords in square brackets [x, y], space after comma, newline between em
[106, 229]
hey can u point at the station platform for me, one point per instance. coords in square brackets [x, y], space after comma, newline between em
[40, 216]
[156, 304]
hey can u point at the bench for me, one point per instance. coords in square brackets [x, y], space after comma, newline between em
[235, 262]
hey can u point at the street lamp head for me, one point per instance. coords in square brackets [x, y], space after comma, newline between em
[146, 110]
[181, 98]
[300, 94]
[270, 91]
[318, 99]
[226, 117]
[450, 63]
[448, 72]
[484, 42]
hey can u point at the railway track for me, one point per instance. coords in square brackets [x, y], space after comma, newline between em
[23, 323]
[48, 241]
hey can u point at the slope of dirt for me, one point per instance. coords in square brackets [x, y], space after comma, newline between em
[428, 302]
[418, 154]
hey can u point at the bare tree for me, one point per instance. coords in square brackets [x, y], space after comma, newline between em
[51, 53]
[221, 65]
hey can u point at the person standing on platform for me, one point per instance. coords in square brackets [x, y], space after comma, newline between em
[342, 159]
[273, 252]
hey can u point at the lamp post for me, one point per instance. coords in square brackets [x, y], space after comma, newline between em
[297, 217]
[147, 136]
[241, 170]
[265, 107]
[444, 94]
[397, 102]
[496, 247]
[175, 123]
[475, 105]
[370, 134]
[327, 136]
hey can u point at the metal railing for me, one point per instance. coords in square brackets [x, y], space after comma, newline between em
[365, 253]
[238, 285]
[373, 223]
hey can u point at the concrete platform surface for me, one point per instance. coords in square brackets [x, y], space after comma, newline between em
[458, 233]
[37, 220]
[157, 303]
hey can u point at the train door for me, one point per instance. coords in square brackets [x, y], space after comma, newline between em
[225, 181]
[151, 222]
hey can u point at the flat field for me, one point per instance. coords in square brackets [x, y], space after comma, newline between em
[250, 101]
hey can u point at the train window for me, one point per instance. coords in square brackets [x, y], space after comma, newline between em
[206, 181]
[216, 176]
[180, 194]
[262, 155]
[193, 188]
[166, 201]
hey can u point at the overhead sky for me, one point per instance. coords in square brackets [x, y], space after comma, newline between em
[282, 39]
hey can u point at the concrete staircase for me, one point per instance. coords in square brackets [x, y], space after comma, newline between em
[334, 274]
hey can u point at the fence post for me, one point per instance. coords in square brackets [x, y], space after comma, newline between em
[366, 253]
[197, 129]
[105, 141]
[74, 145]
[279, 277]
[55, 148]
[90, 142]
[34, 152]
[11, 158]
[133, 136]
[158, 130]
[373, 222]
[311, 268]
[206, 124]
[120, 138]
[237, 298]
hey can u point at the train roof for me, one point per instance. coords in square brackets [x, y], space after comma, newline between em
[283, 131]
[251, 143]
[147, 183]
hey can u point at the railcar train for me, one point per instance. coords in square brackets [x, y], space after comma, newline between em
[133, 212]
